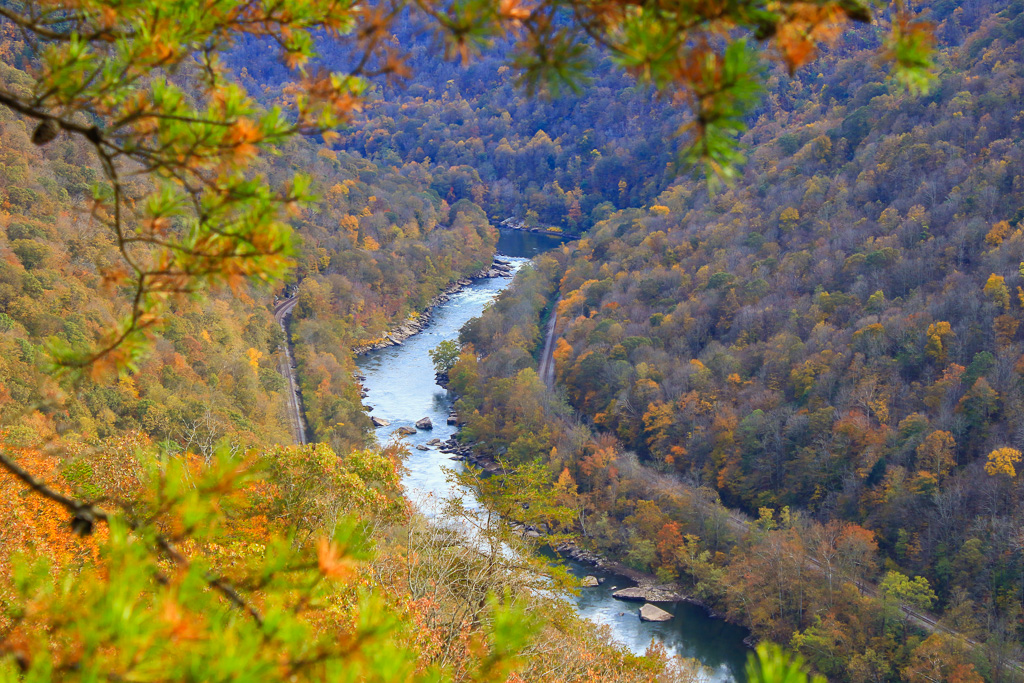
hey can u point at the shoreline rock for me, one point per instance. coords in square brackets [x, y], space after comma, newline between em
[651, 612]
[649, 594]
[466, 453]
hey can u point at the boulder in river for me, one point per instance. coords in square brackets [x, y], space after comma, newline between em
[407, 431]
[590, 582]
[434, 442]
[425, 423]
[379, 421]
[634, 594]
[421, 447]
[650, 612]
[649, 594]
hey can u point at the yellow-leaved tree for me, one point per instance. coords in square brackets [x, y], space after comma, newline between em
[1003, 461]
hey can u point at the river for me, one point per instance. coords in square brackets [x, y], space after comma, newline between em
[400, 381]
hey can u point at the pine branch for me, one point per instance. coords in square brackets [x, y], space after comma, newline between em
[85, 515]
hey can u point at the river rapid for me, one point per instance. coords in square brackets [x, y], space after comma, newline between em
[400, 381]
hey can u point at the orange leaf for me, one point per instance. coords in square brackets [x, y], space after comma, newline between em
[329, 559]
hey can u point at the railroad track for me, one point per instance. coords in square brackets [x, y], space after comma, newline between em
[546, 369]
[287, 367]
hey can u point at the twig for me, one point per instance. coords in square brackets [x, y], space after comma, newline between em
[85, 514]
[79, 509]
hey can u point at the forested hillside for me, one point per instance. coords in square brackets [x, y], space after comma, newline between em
[323, 552]
[560, 162]
[215, 370]
[172, 169]
[831, 345]
[212, 374]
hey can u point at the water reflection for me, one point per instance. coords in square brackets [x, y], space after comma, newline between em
[716, 644]
[526, 244]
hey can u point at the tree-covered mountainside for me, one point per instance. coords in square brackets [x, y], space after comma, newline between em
[563, 162]
[379, 246]
[551, 162]
[211, 375]
[183, 447]
[832, 345]
[172, 168]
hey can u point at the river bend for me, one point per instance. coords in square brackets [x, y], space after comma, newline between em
[400, 381]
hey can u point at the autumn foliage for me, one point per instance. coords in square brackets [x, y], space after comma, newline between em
[831, 347]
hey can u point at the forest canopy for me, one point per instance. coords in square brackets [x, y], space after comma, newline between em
[151, 200]
[801, 396]
[144, 84]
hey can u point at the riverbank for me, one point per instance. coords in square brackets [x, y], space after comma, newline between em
[402, 389]
[512, 224]
[648, 587]
[417, 323]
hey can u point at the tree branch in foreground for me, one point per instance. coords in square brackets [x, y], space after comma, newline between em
[85, 515]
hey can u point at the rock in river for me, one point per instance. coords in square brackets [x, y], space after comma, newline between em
[648, 594]
[636, 594]
[379, 421]
[425, 423]
[651, 613]
[590, 581]
[406, 430]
